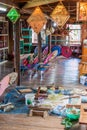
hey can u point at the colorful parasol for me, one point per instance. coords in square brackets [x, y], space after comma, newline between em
[66, 51]
[7, 81]
[4, 84]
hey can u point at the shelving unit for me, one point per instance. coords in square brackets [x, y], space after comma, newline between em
[4, 39]
[27, 36]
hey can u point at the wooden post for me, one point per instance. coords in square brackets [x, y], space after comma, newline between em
[49, 37]
[11, 42]
[49, 44]
[39, 47]
[17, 50]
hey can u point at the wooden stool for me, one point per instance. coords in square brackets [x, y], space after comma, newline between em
[38, 113]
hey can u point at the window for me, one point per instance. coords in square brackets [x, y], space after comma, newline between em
[74, 36]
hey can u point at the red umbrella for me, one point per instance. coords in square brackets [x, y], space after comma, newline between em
[66, 51]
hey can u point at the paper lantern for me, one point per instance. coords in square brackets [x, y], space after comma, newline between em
[13, 15]
[37, 20]
[60, 15]
[81, 11]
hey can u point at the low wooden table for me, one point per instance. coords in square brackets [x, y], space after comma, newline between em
[83, 114]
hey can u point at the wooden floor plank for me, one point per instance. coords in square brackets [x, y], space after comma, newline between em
[23, 122]
[17, 127]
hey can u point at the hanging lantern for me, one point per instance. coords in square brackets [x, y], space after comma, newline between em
[60, 15]
[81, 11]
[37, 20]
[13, 15]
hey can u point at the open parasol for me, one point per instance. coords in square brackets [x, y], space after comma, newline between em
[4, 84]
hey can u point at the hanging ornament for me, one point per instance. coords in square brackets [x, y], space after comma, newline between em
[13, 15]
[48, 32]
[37, 20]
[60, 15]
[52, 30]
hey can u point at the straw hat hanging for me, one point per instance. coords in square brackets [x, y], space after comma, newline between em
[37, 20]
[60, 15]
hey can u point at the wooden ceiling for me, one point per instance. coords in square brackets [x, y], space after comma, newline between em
[27, 6]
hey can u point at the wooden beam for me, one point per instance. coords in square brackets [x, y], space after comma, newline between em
[19, 1]
[35, 3]
[44, 1]
[6, 1]
[39, 47]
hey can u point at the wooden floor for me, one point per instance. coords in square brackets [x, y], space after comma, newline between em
[62, 72]
[24, 122]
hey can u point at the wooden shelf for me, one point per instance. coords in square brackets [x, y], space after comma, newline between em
[3, 48]
[3, 34]
[4, 39]
[27, 36]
